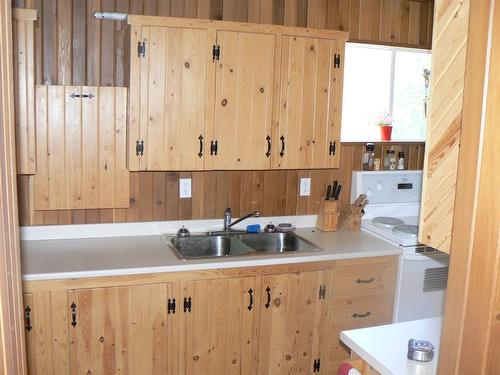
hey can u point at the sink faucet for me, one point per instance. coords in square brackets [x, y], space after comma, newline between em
[227, 218]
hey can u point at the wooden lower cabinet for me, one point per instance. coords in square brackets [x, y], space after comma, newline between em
[293, 321]
[220, 326]
[122, 330]
[261, 320]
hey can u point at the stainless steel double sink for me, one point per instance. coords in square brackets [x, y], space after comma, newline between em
[239, 244]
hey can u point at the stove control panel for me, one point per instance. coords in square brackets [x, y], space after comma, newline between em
[386, 187]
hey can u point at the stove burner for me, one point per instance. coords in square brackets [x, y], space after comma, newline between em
[409, 231]
[386, 222]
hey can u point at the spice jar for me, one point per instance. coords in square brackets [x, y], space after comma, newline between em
[389, 155]
[401, 160]
[368, 157]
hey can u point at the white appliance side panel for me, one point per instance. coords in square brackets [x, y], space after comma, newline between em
[412, 302]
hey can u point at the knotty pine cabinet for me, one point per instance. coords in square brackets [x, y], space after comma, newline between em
[80, 148]
[209, 95]
[294, 310]
[310, 102]
[259, 320]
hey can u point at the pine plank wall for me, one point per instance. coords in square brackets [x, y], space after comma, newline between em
[72, 48]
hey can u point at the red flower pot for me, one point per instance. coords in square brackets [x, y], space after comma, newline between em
[385, 133]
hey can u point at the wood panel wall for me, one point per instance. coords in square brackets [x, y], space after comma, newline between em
[155, 195]
[72, 48]
[12, 343]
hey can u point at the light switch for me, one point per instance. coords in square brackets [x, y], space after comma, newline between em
[184, 188]
[305, 187]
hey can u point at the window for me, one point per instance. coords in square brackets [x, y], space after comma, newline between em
[379, 79]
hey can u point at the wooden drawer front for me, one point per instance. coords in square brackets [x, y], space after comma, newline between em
[367, 277]
[357, 316]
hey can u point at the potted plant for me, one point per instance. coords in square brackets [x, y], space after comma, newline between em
[385, 124]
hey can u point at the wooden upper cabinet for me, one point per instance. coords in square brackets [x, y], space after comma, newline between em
[168, 73]
[225, 95]
[451, 27]
[24, 88]
[243, 101]
[81, 148]
[309, 103]
[119, 330]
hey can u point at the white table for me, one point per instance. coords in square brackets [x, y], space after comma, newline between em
[385, 347]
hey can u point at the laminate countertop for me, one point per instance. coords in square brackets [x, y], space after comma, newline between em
[385, 347]
[128, 255]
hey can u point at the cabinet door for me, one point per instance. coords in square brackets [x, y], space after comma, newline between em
[81, 148]
[310, 103]
[167, 98]
[46, 332]
[293, 318]
[243, 101]
[220, 327]
[124, 330]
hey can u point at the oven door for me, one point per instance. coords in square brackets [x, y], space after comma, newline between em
[421, 289]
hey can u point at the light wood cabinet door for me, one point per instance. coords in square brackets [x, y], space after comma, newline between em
[46, 332]
[220, 327]
[294, 309]
[244, 75]
[167, 98]
[81, 148]
[309, 103]
[122, 330]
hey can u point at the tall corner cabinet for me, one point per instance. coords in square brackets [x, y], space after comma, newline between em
[208, 95]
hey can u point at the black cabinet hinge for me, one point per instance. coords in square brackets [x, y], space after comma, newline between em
[336, 60]
[322, 291]
[332, 148]
[316, 365]
[73, 314]
[187, 304]
[141, 49]
[215, 52]
[214, 147]
[171, 306]
[27, 318]
[139, 147]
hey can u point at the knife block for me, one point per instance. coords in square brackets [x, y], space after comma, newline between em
[328, 216]
[350, 221]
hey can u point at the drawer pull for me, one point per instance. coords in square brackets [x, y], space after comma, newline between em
[361, 281]
[355, 315]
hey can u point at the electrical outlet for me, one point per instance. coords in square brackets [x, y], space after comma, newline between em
[184, 188]
[305, 187]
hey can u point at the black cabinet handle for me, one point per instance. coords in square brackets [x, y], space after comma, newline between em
[282, 152]
[89, 96]
[268, 303]
[268, 139]
[250, 305]
[73, 314]
[27, 318]
[361, 281]
[361, 315]
[200, 138]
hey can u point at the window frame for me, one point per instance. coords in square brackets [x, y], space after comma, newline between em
[393, 50]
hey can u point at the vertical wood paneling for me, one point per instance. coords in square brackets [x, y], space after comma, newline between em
[155, 195]
[24, 89]
[74, 49]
